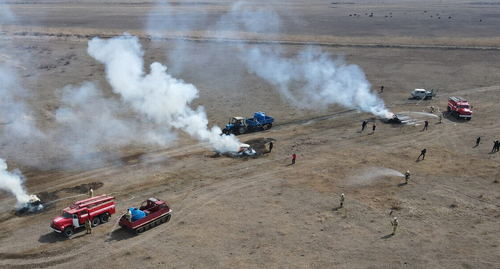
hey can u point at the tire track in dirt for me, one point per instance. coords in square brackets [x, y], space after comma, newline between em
[192, 207]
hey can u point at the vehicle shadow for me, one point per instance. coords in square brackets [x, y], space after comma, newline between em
[119, 235]
[52, 237]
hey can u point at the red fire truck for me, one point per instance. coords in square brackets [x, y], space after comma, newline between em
[459, 107]
[152, 212]
[98, 209]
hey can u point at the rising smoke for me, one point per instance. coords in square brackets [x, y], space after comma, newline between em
[314, 79]
[163, 99]
[322, 80]
[13, 183]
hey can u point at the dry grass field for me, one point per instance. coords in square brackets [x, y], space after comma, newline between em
[260, 212]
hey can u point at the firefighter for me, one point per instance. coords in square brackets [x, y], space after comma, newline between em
[407, 176]
[363, 125]
[373, 128]
[478, 140]
[128, 216]
[394, 224]
[440, 117]
[382, 88]
[88, 226]
[431, 110]
[91, 193]
[426, 124]
[271, 146]
[342, 199]
[294, 157]
[422, 153]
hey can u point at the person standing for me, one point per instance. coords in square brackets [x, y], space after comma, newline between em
[88, 226]
[382, 88]
[394, 224]
[91, 193]
[478, 140]
[342, 199]
[271, 146]
[495, 146]
[294, 156]
[426, 124]
[407, 176]
[422, 153]
[373, 128]
[440, 117]
[363, 125]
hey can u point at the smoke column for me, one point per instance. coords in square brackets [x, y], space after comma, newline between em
[12, 182]
[323, 81]
[163, 99]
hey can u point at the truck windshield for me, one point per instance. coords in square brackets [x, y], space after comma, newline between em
[463, 106]
[66, 215]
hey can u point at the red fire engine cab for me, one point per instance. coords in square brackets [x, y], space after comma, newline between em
[459, 107]
[98, 209]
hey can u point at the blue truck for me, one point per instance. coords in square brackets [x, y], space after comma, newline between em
[239, 125]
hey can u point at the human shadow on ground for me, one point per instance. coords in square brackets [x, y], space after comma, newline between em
[387, 236]
[402, 184]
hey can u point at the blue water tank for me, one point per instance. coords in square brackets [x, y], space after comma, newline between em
[260, 116]
[137, 214]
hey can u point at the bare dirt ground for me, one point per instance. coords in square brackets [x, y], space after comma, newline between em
[262, 212]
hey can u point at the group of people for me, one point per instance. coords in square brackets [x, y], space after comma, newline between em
[395, 222]
[363, 126]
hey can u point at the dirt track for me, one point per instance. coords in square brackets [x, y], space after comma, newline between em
[263, 212]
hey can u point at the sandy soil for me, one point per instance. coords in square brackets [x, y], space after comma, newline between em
[262, 212]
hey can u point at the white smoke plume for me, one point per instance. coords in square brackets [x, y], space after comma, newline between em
[90, 123]
[315, 80]
[163, 99]
[13, 183]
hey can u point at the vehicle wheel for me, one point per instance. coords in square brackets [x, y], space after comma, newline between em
[168, 218]
[163, 219]
[121, 225]
[241, 130]
[152, 224]
[104, 218]
[158, 222]
[469, 118]
[145, 228]
[140, 230]
[449, 109]
[96, 221]
[69, 231]
[269, 126]
[224, 131]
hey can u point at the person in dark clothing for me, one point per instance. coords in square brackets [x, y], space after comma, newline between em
[477, 141]
[422, 153]
[293, 158]
[363, 125]
[382, 88]
[373, 128]
[496, 146]
[426, 124]
[270, 146]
